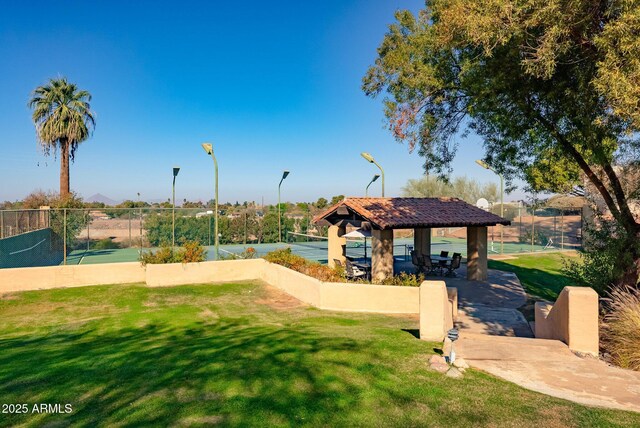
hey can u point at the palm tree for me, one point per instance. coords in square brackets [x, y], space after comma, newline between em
[63, 120]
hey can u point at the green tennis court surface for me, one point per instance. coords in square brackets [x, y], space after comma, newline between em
[311, 250]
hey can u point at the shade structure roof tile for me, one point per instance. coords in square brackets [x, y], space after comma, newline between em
[407, 213]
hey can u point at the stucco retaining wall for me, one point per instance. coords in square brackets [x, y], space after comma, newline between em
[370, 298]
[573, 319]
[331, 296]
[199, 273]
[41, 278]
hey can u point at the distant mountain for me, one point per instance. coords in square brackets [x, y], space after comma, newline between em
[101, 198]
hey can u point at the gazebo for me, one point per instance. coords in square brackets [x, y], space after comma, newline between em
[383, 215]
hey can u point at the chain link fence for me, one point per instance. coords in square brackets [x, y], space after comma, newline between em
[531, 230]
[88, 235]
[73, 236]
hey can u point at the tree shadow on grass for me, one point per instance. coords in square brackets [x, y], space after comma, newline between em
[227, 373]
[537, 282]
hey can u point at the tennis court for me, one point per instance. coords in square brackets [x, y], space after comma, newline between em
[312, 248]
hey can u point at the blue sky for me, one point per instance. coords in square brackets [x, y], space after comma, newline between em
[273, 85]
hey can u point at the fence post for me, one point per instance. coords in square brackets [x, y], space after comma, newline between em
[141, 230]
[88, 216]
[64, 236]
[1, 224]
[533, 227]
[562, 229]
[130, 240]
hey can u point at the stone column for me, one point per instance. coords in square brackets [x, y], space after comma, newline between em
[477, 253]
[381, 254]
[337, 245]
[422, 241]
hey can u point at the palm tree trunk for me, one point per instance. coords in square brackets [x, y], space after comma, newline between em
[64, 169]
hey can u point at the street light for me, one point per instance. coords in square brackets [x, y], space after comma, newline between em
[208, 148]
[486, 166]
[176, 170]
[140, 207]
[284, 175]
[370, 158]
[375, 177]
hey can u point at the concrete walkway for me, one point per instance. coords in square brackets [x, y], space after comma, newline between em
[496, 338]
[549, 367]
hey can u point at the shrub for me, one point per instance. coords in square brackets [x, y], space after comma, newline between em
[104, 244]
[286, 258]
[190, 253]
[404, 279]
[621, 327]
[604, 258]
[248, 253]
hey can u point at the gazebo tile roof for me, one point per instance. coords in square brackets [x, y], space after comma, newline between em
[405, 213]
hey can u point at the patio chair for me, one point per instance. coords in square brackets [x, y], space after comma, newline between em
[353, 271]
[337, 263]
[455, 264]
[429, 268]
[417, 261]
[443, 263]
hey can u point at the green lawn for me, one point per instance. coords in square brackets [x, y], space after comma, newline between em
[239, 354]
[540, 274]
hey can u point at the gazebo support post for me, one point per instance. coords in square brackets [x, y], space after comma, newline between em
[337, 245]
[381, 254]
[477, 253]
[422, 241]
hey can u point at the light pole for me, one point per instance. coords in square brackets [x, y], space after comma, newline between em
[370, 159]
[366, 191]
[209, 149]
[176, 170]
[140, 207]
[284, 175]
[486, 166]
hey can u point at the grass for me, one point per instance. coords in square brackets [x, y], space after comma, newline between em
[540, 274]
[241, 355]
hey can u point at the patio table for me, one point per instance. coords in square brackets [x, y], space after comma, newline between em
[438, 258]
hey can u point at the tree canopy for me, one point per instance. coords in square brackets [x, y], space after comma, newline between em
[460, 187]
[63, 119]
[551, 87]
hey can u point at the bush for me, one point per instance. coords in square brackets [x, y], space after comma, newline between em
[104, 244]
[621, 327]
[191, 252]
[604, 258]
[248, 253]
[404, 279]
[286, 258]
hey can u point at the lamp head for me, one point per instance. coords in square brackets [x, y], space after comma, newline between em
[367, 156]
[207, 148]
[483, 164]
[375, 177]
[176, 170]
[285, 174]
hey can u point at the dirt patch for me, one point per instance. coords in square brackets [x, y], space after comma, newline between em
[208, 314]
[9, 297]
[408, 317]
[277, 299]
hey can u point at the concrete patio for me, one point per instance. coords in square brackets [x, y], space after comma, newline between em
[496, 338]
[485, 307]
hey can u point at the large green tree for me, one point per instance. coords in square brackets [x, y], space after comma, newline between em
[468, 190]
[63, 119]
[551, 86]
